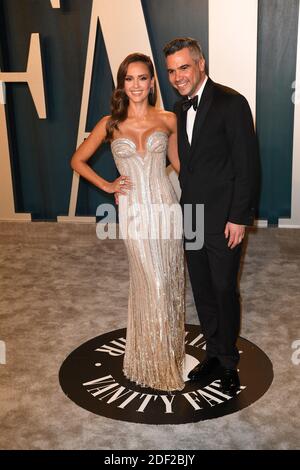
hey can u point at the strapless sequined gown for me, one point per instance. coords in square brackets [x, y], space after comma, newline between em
[154, 351]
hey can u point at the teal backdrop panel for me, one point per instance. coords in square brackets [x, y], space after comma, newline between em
[169, 19]
[276, 69]
[41, 148]
[89, 197]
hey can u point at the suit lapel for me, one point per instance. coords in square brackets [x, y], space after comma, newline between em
[184, 145]
[182, 127]
[203, 108]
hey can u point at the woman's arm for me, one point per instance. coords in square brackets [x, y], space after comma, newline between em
[173, 157]
[85, 152]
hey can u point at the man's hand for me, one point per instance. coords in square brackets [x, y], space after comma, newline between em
[235, 233]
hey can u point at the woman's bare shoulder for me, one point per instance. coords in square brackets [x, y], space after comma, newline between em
[165, 114]
[103, 121]
[101, 124]
[169, 119]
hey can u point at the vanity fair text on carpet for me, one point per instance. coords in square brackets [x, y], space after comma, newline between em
[109, 390]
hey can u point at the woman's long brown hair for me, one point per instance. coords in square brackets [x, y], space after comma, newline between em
[119, 100]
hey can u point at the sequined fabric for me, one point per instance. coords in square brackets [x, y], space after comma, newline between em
[155, 328]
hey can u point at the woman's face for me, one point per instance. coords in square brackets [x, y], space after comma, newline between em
[138, 82]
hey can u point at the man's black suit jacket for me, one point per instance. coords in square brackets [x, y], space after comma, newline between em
[220, 167]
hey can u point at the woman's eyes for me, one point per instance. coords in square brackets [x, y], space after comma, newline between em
[129, 79]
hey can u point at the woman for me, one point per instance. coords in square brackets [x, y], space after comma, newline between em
[140, 137]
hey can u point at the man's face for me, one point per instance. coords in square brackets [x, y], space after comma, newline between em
[185, 75]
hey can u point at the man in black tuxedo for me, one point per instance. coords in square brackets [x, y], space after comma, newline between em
[218, 160]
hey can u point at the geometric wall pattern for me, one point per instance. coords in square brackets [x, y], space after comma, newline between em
[252, 46]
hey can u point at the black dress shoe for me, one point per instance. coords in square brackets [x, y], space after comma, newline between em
[204, 368]
[230, 382]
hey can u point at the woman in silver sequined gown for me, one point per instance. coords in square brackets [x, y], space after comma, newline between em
[149, 222]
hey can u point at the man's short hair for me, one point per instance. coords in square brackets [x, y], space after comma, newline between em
[180, 43]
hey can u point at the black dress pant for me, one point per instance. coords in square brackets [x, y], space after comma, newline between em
[213, 272]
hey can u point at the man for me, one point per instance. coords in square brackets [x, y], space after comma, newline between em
[218, 160]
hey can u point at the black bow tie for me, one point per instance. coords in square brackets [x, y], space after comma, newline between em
[190, 102]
